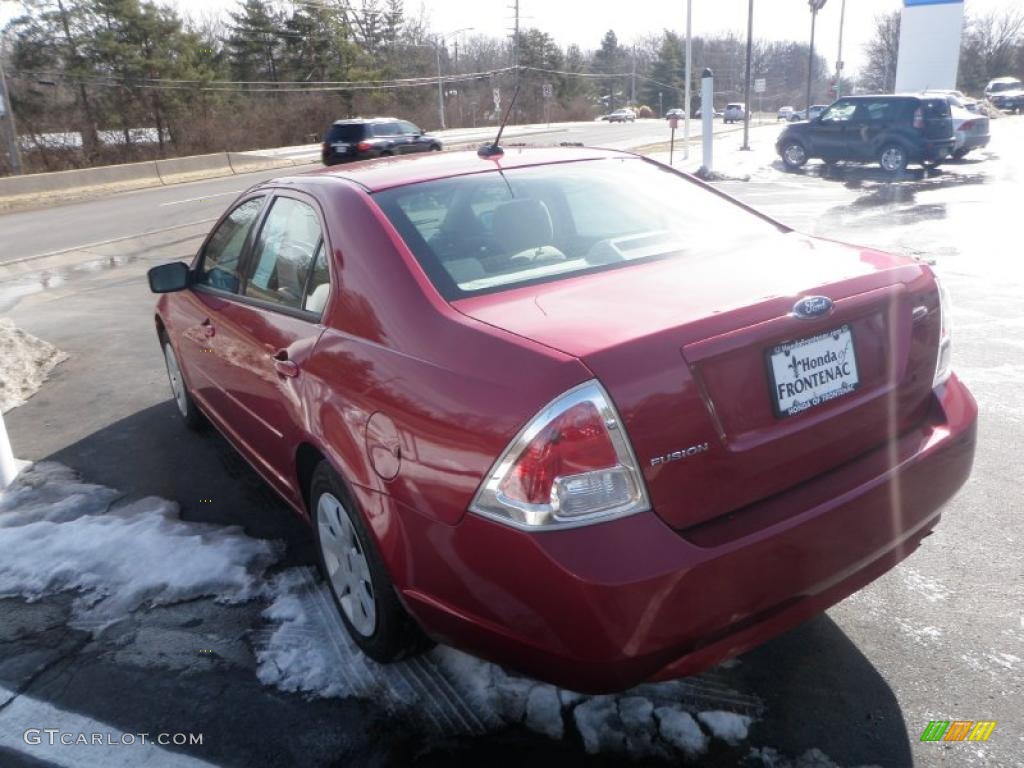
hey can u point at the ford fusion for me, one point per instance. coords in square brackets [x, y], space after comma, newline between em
[570, 410]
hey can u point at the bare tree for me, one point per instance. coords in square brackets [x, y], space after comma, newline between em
[990, 48]
[879, 74]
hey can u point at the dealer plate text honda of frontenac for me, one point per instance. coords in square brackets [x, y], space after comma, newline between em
[570, 410]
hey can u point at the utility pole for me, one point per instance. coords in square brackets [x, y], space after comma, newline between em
[686, 89]
[746, 84]
[7, 116]
[515, 52]
[440, 87]
[816, 5]
[632, 87]
[839, 55]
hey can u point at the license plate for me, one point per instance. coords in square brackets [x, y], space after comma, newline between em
[340, 148]
[808, 372]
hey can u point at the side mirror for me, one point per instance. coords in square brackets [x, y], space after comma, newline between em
[168, 278]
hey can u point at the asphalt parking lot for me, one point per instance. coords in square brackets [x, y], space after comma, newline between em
[941, 637]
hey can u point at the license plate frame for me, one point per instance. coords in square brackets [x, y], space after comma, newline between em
[819, 345]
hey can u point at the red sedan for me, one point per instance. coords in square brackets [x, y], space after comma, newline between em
[571, 410]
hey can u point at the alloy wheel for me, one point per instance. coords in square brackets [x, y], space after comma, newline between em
[892, 159]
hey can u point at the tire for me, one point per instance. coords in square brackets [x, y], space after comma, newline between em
[794, 155]
[356, 576]
[960, 154]
[190, 414]
[893, 158]
[435, 147]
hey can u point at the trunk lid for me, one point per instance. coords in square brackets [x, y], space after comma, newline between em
[682, 347]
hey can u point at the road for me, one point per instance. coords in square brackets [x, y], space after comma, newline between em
[82, 224]
[940, 637]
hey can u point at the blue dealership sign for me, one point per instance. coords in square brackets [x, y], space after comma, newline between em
[930, 2]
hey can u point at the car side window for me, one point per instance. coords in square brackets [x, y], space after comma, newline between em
[876, 111]
[284, 254]
[840, 112]
[223, 251]
[386, 129]
[319, 288]
[409, 129]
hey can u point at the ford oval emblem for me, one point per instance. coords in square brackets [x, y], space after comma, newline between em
[812, 306]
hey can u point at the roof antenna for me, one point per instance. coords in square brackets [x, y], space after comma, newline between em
[493, 150]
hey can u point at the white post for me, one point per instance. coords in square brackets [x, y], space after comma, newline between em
[707, 115]
[8, 468]
[686, 97]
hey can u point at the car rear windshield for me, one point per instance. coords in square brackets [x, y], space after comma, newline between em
[1016, 84]
[498, 230]
[935, 108]
[348, 132]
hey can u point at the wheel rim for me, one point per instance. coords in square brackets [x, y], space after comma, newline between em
[892, 159]
[795, 154]
[177, 382]
[345, 561]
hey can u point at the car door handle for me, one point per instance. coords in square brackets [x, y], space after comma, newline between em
[285, 367]
[208, 329]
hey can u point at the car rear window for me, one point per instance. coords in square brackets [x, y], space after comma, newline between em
[935, 108]
[348, 132]
[497, 230]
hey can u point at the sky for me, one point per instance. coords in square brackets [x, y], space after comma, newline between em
[585, 21]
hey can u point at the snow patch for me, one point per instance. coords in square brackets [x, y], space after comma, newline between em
[61, 535]
[680, 730]
[25, 362]
[727, 726]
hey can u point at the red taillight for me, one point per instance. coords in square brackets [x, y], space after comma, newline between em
[968, 126]
[575, 442]
[918, 118]
[364, 146]
[570, 465]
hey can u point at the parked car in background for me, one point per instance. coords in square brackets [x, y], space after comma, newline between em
[785, 113]
[360, 139]
[676, 113]
[890, 130]
[622, 116]
[955, 98]
[735, 112]
[971, 128]
[419, 357]
[1006, 93]
[816, 109]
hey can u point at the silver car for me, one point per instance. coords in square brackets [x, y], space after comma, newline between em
[735, 112]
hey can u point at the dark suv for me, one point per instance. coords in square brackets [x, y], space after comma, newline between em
[889, 130]
[361, 138]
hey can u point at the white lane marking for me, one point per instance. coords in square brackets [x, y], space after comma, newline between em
[25, 712]
[199, 199]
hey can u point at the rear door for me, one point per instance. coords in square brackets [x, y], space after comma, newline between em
[874, 121]
[268, 333]
[938, 120]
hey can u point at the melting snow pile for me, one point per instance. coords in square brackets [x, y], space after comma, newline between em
[306, 649]
[58, 534]
[25, 362]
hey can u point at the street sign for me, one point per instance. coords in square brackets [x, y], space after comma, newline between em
[497, 99]
[673, 122]
[547, 90]
[760, 85]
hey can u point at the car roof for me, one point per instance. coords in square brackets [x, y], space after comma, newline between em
[362, 120]
[387, 172]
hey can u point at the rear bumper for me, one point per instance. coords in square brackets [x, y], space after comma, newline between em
[604, 607]
[937, 150]
[973, 142]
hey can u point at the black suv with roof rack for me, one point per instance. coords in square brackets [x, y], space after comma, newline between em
[361, 138]
[889, 130]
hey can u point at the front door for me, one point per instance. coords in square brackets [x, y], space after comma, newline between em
[829, 130]
[267, 335]
[217, 280]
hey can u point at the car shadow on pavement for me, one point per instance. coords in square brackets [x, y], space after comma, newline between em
[817, 688]
[151, 453]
